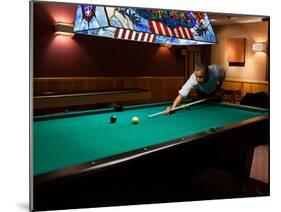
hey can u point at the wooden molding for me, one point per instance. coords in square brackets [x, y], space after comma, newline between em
[114, 78]
[246, 81]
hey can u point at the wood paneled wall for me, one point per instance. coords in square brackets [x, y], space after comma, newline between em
[246, 86]
[162, 88]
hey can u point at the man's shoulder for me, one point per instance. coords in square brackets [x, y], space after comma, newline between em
[192, 80]
[216, 68]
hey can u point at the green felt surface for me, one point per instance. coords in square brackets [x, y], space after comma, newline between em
[66, 141]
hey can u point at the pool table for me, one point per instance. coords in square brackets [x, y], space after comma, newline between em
[85, 144]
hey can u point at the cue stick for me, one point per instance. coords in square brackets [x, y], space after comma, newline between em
[182, 106]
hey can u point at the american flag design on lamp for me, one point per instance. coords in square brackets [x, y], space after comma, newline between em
[127, 34]
[161, 29]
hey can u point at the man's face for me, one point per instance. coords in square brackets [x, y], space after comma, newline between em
[200, 76]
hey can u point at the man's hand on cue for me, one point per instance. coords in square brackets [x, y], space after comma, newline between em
[168, 110]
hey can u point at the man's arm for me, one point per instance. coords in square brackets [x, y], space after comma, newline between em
[222, 74]
[217, 96]
[176, 102]
[183, 93]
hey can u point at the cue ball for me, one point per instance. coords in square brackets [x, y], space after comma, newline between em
[135, 120]
[113, 119]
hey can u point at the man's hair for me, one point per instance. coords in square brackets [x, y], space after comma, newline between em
[201, 67]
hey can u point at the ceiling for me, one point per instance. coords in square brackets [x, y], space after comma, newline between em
[218, 19]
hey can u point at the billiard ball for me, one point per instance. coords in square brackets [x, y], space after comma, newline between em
[113, 119]
[135, 120]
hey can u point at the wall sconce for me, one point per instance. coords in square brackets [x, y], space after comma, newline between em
[64, 29]
[259, 47]
[166, 45]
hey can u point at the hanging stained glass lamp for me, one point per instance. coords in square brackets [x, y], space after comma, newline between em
[145, 25]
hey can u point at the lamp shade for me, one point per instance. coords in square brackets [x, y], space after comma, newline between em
[64, 29]
[145, 25]
[259, 47]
